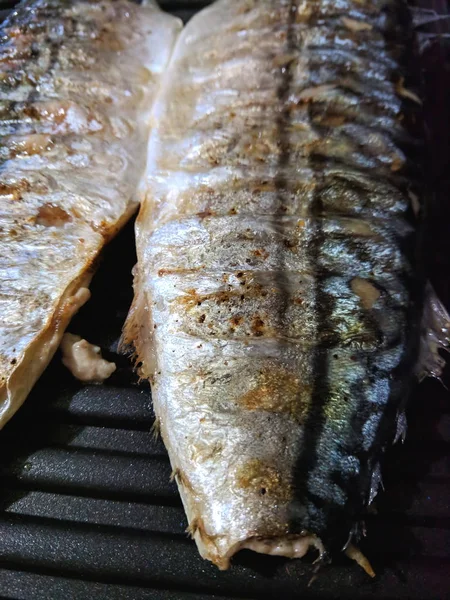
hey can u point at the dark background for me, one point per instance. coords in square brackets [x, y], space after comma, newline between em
[86, 506]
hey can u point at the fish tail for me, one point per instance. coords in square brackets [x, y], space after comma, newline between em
[156, 429]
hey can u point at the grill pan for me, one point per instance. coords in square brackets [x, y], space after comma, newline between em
[87, 509]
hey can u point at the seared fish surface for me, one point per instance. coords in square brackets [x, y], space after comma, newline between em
[77, 80]
[276, 301]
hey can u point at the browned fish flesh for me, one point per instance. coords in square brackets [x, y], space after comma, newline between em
[278, 293]
[77, 80]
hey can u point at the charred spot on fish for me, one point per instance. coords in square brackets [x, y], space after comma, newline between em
[32, 111]
[103, 228]
[205, 214]
[255, 475]
[260, 253]
[30, 145]
[201, 318]
[258, 326]
[278, 391]
[290, 244]
[15, 189]
[51, 215]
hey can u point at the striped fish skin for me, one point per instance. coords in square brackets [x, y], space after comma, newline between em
[276, 300]
[76, 83]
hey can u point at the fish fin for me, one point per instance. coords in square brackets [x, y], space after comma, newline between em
[193, 527]
[402, 426]
[137, 334]
[321, 561]
[315, 575]
[180, 478]
[156, 429]
[435, 336]
[375, 483]
[130, 331]
[363, 529]
[353, 534]
[424, 16]
[355, 554]
[425, 39]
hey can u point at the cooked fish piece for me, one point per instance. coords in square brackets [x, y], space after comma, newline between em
[277, 294]
[84, 360]
[77, 80]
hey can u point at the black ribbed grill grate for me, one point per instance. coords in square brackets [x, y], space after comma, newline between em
[86, 506]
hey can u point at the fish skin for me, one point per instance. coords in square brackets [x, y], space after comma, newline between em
[76, 83]
[277, 290]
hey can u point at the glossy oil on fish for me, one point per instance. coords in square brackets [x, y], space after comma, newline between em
[77, 80]
[278, 295]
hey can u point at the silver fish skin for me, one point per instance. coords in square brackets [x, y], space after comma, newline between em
[77, 80]
[276, 295]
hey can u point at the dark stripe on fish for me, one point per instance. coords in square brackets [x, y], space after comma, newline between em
[283, 133]
[334, 471]
[308, 456]
[301, 510]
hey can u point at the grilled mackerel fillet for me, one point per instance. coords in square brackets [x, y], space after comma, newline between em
[77, 80]
[276, 301]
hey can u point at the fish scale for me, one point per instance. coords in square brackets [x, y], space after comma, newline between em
[280, 152]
